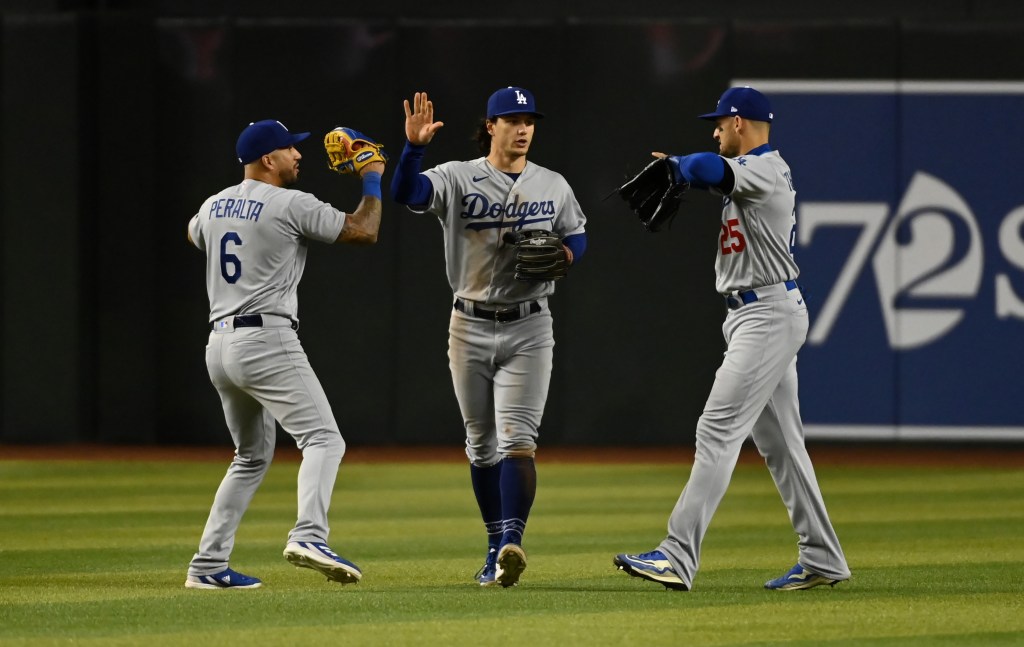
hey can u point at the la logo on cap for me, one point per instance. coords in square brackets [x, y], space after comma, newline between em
[512, 100]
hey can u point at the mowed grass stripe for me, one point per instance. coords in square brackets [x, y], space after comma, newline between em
[936, 557]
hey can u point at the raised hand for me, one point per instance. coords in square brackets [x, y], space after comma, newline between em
[420, 126]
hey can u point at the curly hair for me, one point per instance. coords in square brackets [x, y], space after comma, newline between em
[482, 137]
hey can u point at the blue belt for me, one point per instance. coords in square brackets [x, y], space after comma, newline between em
[740, 299]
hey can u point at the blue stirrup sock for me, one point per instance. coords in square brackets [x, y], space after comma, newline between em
[518, 490]
[487, 488]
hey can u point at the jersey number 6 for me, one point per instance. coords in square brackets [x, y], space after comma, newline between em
[230, 265]
[732, 238]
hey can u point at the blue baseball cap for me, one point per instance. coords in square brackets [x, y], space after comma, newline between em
[743, 102]
[512, 101]
[262, 137]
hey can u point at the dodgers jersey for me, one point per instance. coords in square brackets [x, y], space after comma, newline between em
[758, 225]
[476, 204]
[255, 236]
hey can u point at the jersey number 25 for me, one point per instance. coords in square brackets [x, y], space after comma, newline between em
[732, 237]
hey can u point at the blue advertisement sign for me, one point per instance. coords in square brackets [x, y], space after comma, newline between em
[910, 240]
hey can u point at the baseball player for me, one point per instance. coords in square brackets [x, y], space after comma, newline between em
[500, 336]
[755, 390]
[255, 236]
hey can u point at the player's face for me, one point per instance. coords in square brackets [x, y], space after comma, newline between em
[286, 165]
[727, 137]
[511, 135]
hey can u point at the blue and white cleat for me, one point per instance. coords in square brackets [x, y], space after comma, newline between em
[226, 579]
[653, 566]
[320, 557]
[511, 564]
[799, 578]
[487, 576]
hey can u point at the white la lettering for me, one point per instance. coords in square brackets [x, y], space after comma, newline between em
[520, 97]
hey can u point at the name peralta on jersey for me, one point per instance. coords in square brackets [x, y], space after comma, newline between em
[476, 204]
[255, 236]
[758, 225]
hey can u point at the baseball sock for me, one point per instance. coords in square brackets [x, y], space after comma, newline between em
[518, 489]
[487, 488]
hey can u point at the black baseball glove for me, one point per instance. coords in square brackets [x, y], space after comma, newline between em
[654, 195]
[540, 255]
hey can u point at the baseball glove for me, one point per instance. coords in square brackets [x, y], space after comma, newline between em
[348, 151]
[540, 255]
[654, 195]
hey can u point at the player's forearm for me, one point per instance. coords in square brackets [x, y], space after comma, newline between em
[577, 244]
[408, 185]
[701, 170]
[362, 225]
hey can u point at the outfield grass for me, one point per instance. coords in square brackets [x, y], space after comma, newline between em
[94, 553]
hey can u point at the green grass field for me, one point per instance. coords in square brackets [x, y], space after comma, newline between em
[94, 553]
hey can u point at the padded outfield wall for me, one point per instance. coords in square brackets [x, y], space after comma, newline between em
[116, 125]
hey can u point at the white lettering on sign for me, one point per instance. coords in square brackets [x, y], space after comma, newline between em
[928, 260]
[1011, 244]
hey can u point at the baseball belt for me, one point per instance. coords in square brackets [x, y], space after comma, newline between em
[254, 321]
[739, 299]
[501, 315]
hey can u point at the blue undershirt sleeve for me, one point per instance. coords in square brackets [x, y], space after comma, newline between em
[701, 170]
[578, 244]
[408, 185]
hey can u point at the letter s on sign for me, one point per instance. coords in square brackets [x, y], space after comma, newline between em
[1008, 304]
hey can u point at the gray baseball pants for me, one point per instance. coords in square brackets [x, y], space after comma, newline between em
[755, 392]
[262, 374]
[501, 373]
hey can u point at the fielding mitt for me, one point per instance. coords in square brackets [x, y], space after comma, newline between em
[540, 255]
[348, 151]
[654, 195]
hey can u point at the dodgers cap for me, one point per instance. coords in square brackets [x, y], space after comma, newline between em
[262, 137]
[512, 101]
[744, 102]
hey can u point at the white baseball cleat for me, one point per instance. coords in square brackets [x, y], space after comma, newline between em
[511, 564]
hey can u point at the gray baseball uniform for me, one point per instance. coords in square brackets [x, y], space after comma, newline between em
[255, 237]
[500, 371]
[500, 341]
[755, 389]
